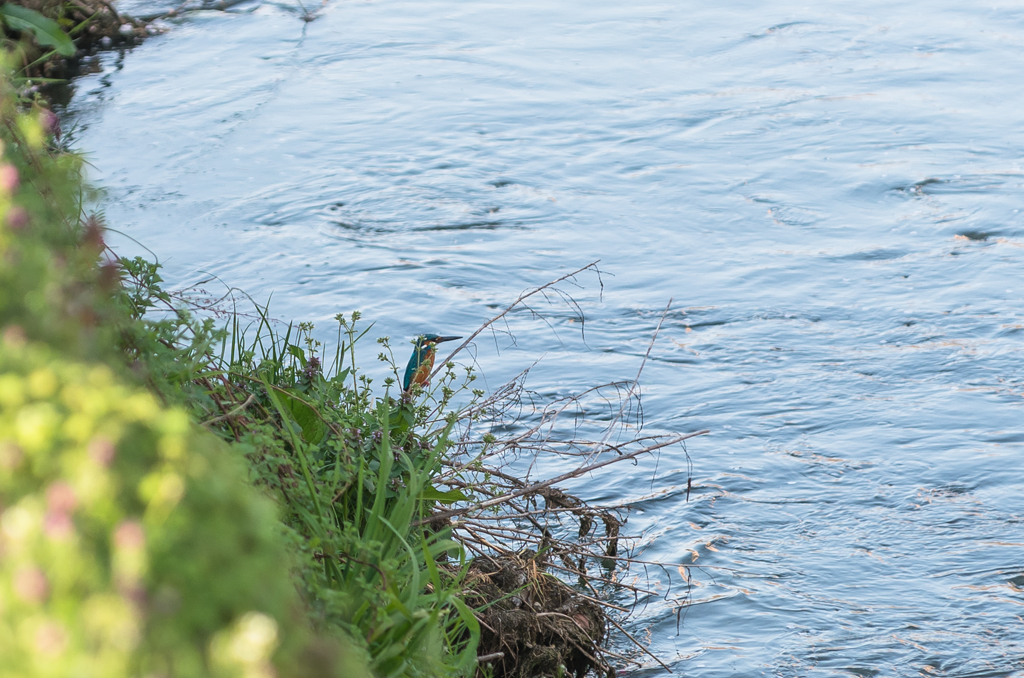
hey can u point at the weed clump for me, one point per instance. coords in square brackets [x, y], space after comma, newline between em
[415, 531]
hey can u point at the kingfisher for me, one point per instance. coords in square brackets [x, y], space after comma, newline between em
[422, 360]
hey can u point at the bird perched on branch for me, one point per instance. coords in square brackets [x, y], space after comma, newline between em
[421, 363]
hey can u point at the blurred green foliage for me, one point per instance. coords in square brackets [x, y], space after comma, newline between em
[130, 543]
[50, 283]
[46, 31]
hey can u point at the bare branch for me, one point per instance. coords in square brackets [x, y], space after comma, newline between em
[636, 381]
[575, 473]
[233, 413]
[639, 645]
[521, 299]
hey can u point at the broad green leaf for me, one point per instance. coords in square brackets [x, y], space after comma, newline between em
[313, 428]
[297, 353]
[46, 31]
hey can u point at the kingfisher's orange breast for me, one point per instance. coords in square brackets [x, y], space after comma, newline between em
[422, 374]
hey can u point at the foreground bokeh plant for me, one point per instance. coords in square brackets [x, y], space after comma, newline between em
[131, 540]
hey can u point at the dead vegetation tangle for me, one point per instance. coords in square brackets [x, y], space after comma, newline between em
[546, 565]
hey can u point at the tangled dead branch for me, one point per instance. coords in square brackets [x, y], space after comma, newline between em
[547, 565]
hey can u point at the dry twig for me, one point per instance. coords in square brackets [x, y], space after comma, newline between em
[575, 473]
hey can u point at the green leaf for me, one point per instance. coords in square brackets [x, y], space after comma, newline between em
[297, 353]
[46, 31]
[431, 493]
[313, 428]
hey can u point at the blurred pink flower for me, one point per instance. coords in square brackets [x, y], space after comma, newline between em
[130, 535]
[101, 451]
[17, 218]
[9, 179]
[60, 497]
[30, 585]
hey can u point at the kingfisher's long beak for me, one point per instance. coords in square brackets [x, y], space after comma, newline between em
[442, 339]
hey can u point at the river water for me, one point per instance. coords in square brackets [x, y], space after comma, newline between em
[831, 195]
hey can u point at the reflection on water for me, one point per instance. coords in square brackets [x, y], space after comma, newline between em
[830, 193]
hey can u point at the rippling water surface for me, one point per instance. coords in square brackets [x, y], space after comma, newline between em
[830, 193]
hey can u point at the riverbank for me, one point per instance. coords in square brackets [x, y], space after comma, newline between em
[132, 541]
[260, 489]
